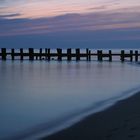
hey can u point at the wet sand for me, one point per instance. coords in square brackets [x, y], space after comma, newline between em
[119, 122]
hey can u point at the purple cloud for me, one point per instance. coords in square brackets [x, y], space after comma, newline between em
[119, 19]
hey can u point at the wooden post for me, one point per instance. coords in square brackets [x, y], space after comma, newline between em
[49, 57]
[99, 52]
[87, 54]
[136, 56]
[3, 53]
[122, 55]
[21, 54]
[40, 54]
[110, 55]
[46, 53]
[131, 55]
[77, 54]
[13, 54]
[69, 54]
[31, 54]
[59, 52]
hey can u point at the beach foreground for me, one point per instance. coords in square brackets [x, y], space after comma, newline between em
[120, 122]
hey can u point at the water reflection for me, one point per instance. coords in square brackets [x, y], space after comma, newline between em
[34, 93]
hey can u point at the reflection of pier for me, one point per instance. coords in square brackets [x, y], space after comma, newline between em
[59, 54]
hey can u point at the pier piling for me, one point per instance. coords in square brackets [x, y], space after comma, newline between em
[87, 54]
[131, 55]
[69, 54]
[3, 53]
[48, 54]
[31, 54]
[59, 52]
[100, 56]
[21, 54]
[110, 55]
[40, 53]
[136, 56]
[46, 50]
[77, 54]
[122, 55]
[13, 54]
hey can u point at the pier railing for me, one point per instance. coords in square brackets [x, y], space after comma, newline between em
[47, 54]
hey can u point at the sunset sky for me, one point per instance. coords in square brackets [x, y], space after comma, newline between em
[65, 23]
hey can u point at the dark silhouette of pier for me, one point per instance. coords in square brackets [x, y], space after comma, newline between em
[47, 54]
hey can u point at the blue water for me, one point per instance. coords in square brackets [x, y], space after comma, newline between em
[41, 97]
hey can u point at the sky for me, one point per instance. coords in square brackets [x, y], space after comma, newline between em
[70, 23]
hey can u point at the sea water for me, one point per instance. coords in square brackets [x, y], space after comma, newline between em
[40, 97]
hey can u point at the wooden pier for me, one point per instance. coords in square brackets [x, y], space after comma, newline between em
[69, 54]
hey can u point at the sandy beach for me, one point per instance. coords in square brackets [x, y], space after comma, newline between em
[119, 122]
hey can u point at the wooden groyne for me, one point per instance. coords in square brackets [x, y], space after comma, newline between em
[47, 54]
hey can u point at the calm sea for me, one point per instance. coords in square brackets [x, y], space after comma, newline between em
[41, 97]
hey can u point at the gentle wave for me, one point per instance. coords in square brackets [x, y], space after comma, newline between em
[46, 129]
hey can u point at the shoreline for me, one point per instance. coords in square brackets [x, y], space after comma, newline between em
[118, 122]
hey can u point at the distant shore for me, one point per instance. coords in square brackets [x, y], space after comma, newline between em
[119, 122]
